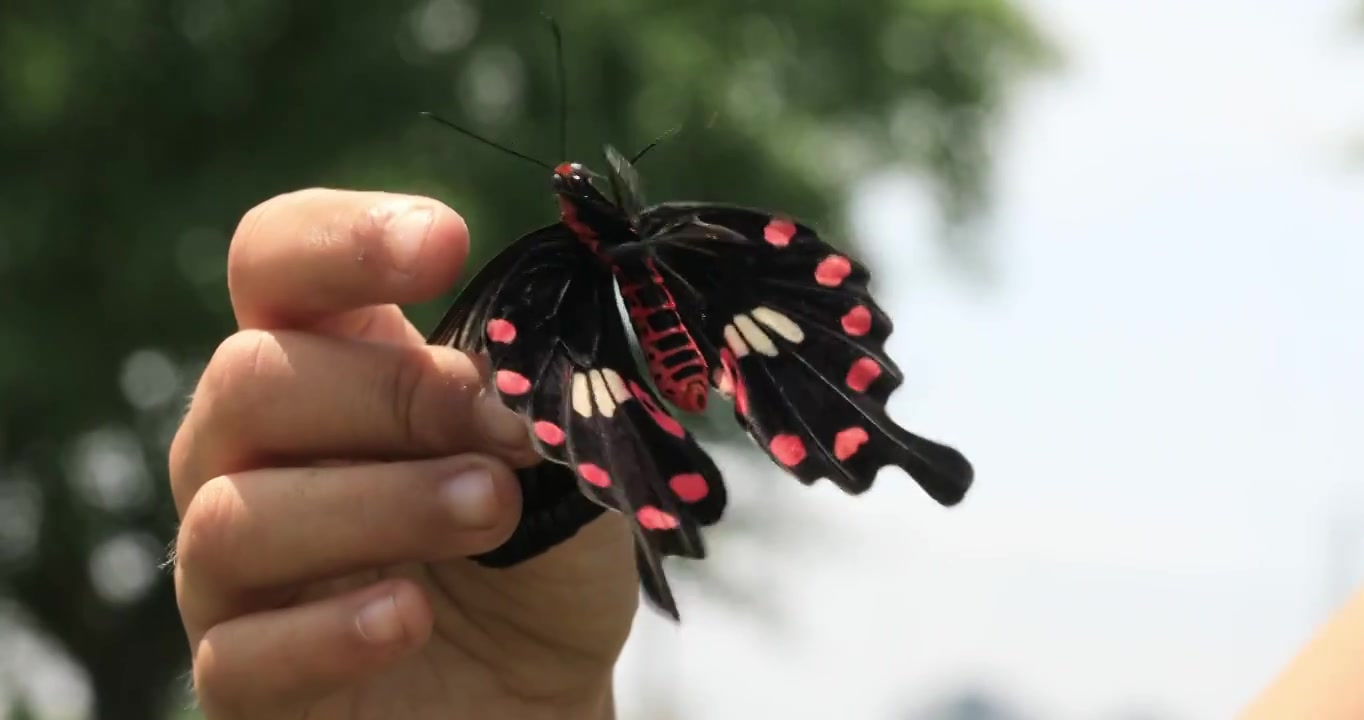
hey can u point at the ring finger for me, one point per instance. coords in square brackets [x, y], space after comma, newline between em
[249, 537]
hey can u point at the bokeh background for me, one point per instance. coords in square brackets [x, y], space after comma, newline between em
[1120, 240]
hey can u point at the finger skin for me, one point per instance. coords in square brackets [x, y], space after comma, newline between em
[376, 323]
[263, 665]
[276, 397]
[247, 539]
[310, 254]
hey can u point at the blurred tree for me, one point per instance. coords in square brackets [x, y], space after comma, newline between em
[968, 704]
[134, 134]
[20, 711]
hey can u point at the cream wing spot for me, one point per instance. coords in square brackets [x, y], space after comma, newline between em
[616, 384]
[602, 394]
[779, 323]
[582, 395]
[735, 342]
[756, 338]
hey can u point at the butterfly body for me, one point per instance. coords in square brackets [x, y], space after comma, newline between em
[753, 305]
[675, 362]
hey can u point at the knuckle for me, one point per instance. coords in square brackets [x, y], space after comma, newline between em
[247, 224]
[239, 255]
[180, 463]
[252, 218]
[211, 676]
[432, 398]
[408, 382]
[246, 227]
[209, 534]
[231, 380]
[227, 398]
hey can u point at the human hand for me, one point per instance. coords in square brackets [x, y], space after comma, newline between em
[334, 472]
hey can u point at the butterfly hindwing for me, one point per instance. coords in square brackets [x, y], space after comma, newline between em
[796, 339]
[630, 454]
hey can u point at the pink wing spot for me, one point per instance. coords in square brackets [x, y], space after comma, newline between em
[549, 432]
[723, 382]
[594, 475]
[664, 420]
[501, 331]
[779, 232]
[862, 374]
[832, 270]
[690, 487]
[848, 442]
[858, 321]
[789, 449]
[655, 519]
[512, 383]
[732, 384]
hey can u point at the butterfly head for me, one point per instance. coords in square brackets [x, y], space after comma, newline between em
[573, 182]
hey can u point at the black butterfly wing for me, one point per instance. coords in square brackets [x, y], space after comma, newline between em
[629, 453]
[798, 342]
[553, 509]
[560, 357]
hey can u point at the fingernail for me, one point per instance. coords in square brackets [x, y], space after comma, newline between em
[501, 424]
[407, 234]
[470, 498]
[378, 622]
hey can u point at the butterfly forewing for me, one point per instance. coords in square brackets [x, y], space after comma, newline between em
[552, 507]
[797, 341]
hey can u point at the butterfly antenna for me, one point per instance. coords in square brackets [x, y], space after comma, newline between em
[485, 141]
[655, 143]
[563, 84]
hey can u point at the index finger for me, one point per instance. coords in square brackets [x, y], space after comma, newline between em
[301, 257]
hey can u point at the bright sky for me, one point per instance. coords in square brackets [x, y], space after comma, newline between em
[1161, 397]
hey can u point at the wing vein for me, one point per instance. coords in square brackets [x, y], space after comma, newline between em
[792, 412]
[856, 405]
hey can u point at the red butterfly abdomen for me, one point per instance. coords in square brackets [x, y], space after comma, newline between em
[675, 362]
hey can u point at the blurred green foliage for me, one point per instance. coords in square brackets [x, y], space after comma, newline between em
[134, 134]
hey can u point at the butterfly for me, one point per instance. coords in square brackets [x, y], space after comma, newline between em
[743, 303]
